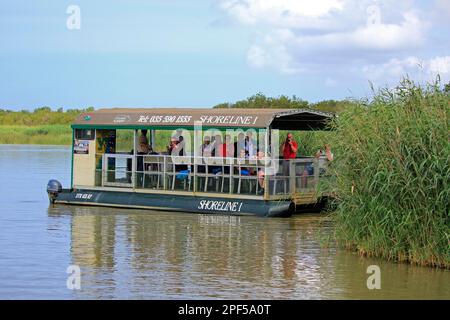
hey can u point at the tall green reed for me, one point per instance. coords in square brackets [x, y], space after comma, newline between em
[392, 175]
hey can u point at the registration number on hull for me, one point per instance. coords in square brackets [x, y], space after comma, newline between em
[86, 196]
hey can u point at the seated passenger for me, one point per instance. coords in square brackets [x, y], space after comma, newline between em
[216, 152]
[217, 145]
[249, 146]
[323, 155]
[241, 154]
[240, 160]
[239, 145]
[180, 145]
[174, 148]
[151, 151]
[206, 149]
[261, 157]
[226, 150]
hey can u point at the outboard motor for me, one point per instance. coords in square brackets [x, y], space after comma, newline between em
[54, 187]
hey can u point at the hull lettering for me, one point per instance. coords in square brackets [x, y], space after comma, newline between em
[215, 205]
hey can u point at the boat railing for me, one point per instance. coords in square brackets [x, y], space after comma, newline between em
[266, 178]
[116, 170]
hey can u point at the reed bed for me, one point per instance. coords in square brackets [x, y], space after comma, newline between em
[392, 172]
[43, 134]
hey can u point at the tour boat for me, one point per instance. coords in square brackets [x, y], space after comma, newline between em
[221, 161]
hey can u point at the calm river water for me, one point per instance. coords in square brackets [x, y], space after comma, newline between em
[134, 254]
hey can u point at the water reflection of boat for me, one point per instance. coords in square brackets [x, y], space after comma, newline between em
[181, 255]
[113, 165]
[92, 235]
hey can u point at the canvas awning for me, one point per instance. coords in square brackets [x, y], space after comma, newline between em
[285, 119]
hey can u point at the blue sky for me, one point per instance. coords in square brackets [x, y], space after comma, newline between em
[200, 53]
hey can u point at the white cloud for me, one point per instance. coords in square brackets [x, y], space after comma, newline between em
[394, 68]
[297, 36]
[273, 52]
[279, 13]
[421, 69]
[439, 65]
[407, 33]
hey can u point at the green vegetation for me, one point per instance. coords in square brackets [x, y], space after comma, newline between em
[124, 140]
[40, 116]
[46, 134]
[392, 167]
[41, 126]
[260, 101]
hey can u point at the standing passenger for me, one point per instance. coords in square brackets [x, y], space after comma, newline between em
[289, 150]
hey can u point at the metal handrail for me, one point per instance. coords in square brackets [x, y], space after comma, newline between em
[274, 170]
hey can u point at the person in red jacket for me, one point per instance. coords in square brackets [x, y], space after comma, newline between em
[289, 147]
[289, 150]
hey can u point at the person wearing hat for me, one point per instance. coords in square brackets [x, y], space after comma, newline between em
[206, 149]
[172, 145]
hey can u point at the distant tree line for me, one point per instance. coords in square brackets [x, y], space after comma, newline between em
[45, 115]
[40, 116]
[259, 100]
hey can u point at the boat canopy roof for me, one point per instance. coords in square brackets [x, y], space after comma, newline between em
[284, 119]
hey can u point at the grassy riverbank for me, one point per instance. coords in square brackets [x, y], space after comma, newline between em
[40, 126]
[57, 134]
[392, 166]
